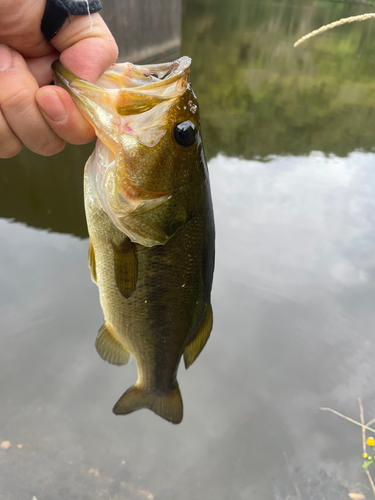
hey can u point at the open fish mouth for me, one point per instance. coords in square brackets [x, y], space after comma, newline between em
[128, 98]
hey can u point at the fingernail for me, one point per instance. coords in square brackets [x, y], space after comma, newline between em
[6, 58]
[52, 106]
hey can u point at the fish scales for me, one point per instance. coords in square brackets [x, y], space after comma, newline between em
[150, 220]
[165, 299]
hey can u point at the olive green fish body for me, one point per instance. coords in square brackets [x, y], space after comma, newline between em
[171, 295]
[150, 220]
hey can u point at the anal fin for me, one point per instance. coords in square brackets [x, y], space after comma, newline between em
[126, 267]
[92, 264]
[110, 348]
[192, 350]
[168, 406]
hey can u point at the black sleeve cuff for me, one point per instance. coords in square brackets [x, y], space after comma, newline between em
[58, 10]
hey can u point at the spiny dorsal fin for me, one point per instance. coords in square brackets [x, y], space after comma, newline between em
[168, 406]
[126, 267]
[110, 348]
[192, 350]
[92, 264]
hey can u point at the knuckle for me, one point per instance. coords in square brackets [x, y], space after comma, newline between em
[10, 144]
[12, 148]
[21, 99]
[51, 148]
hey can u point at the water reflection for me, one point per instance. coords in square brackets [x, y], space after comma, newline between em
[45, 192]
[293, 292]
[259, 96]
[293, 331]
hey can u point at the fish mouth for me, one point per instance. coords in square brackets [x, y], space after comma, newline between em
[128, 98]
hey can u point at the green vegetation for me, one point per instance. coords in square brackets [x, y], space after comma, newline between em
[259, 96]
[369, 442]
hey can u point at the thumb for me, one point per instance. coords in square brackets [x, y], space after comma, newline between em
[86, 45]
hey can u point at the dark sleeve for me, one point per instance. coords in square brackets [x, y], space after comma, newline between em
[58, 10]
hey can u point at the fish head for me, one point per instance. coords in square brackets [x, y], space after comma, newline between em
[146, 119]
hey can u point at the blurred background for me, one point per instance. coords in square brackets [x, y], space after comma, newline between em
[289, 139]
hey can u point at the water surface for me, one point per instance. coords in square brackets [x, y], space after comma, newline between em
[289, 137]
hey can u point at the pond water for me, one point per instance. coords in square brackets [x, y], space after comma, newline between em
[289, 138]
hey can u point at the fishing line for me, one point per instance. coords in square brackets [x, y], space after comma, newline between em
[89, 13]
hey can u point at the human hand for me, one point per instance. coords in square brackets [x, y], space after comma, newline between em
[41, 116]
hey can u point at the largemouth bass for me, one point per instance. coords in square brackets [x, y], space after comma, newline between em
[150, 220]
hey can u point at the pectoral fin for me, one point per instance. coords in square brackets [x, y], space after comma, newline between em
[142, 231]
[192, 350]
[155, 221]
[110, 348]
[126, 267]
[92, 264]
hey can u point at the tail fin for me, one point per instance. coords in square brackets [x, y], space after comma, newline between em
[168, 406]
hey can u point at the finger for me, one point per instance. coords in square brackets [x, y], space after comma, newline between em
[72, 127]
[87, 46]
[18, 88]
[10, 145]
[40, 67]
[20, 27]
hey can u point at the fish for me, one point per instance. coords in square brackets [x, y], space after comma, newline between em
[151, 225]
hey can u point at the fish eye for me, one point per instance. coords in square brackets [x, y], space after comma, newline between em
[184, 133]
